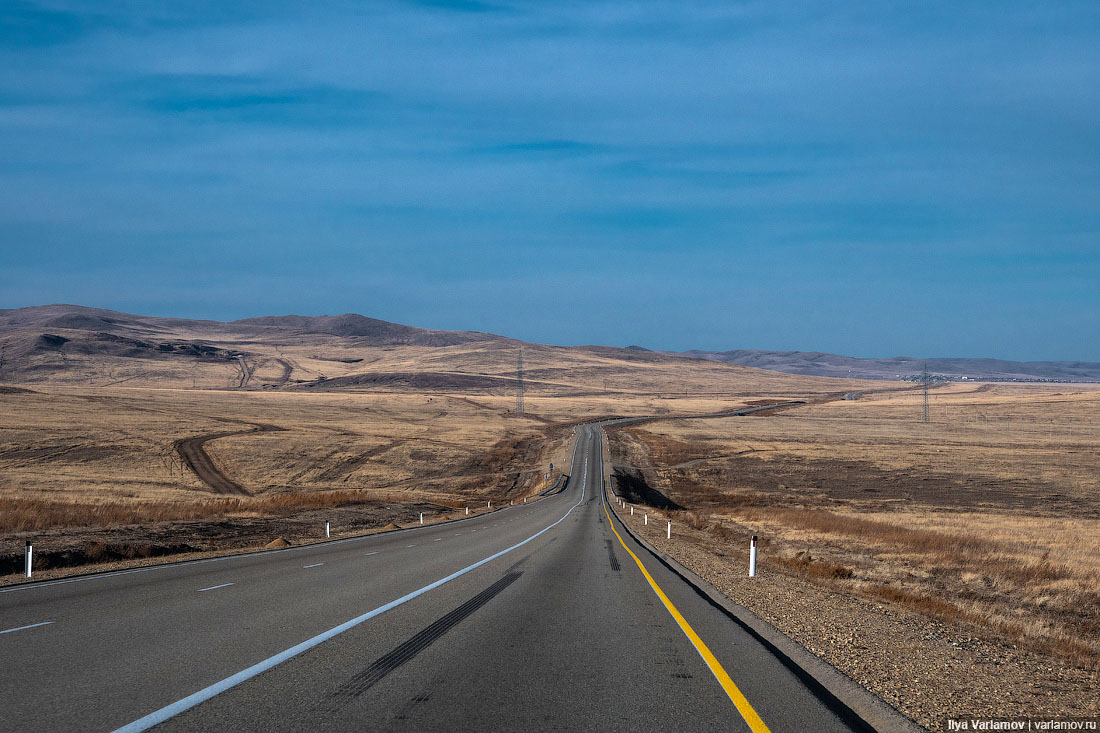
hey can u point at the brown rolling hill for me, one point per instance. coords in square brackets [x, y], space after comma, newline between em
[819, 364]
[70, 344]
[76, 345]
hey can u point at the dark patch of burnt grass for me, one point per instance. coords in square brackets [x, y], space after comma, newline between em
[660, 450]
[27, 515]
[833, 480]
[632, 486]
[504, 469]
[840, 481]
[95, 552]
[145, 542]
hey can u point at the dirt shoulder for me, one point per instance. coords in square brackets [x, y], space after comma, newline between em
[927, 669]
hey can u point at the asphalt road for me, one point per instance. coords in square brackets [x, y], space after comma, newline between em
[534, 617]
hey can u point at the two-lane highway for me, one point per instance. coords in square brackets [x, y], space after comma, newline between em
[540, 616]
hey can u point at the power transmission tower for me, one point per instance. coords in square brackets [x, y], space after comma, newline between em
[924, 378]
[519, 383]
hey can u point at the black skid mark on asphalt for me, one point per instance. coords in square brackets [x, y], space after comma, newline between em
[677, 667]
[404, 652]
[611, 556]
[515, 566]
[411, 705]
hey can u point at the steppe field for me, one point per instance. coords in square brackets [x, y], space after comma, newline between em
[951, 566]
[108, 453]
[969, 547]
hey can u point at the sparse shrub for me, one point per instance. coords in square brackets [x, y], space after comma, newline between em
[722, 532]
[808, 566]
[696, 520]
[925, 604]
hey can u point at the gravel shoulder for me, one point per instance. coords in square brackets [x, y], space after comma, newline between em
[927, 670]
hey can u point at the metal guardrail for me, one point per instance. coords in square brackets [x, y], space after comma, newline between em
[563, 481]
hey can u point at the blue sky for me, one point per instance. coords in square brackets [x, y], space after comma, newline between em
[869, 178]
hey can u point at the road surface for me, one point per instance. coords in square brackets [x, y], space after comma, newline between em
[534, 617]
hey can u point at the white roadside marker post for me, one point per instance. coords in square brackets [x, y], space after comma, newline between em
[488, 505]
[646, 519]
[422, 517]
[326, 530]
[670, 529]
[30, 557]
[467, 511]
[752, 557]
[632, 510]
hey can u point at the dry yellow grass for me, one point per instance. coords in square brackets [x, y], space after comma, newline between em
[987, 515]
[66, 449]
[116, 445]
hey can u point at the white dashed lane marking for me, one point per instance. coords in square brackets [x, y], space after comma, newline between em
[28, 626]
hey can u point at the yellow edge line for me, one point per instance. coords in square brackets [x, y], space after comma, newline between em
[739, 700]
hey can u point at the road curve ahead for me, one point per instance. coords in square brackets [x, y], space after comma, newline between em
[544, 616]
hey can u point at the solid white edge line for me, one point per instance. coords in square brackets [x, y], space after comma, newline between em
[215, 587]
[170, 711]
[30, 626]
[314, 565]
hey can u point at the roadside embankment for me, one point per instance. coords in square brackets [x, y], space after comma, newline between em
[927, 669]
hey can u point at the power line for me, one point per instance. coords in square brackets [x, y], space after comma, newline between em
[519, 382]
[925, 378]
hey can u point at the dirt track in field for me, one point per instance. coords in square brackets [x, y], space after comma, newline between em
[193, 453]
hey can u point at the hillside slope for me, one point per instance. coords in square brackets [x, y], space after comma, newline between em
[75, 345]
[815, 363]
